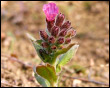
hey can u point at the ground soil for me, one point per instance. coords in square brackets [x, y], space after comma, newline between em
[89, 18]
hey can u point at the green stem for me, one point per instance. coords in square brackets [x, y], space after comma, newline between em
[54, 65]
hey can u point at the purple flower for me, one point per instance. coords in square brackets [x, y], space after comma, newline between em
[50, 10]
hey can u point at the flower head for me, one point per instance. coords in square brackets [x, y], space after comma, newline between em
[58, 31]
[50, 10]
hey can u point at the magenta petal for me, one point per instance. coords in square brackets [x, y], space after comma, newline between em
[50, 10]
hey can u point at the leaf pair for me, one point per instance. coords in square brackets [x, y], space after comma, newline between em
[47, 74]
[40, 80]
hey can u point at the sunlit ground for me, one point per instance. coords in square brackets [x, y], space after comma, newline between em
[91, 21]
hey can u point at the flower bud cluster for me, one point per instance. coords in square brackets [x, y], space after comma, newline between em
[59, 31]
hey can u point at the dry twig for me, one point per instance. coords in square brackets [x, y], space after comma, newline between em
[17, 60]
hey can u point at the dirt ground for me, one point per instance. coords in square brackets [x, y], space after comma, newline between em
[89, 18]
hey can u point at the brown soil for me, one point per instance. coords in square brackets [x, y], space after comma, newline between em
[91, 21]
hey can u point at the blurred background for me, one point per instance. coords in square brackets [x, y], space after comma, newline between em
[89, 18]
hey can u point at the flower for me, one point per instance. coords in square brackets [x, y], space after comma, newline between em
[58, 33]
[50, 10]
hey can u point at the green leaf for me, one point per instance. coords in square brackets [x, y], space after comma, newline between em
[65, 58]
[37, 48]
[39, 41]
[41, 80]
[44, 57]
[61, 51]
[48, 72]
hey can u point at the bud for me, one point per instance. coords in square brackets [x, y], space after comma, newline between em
[50, 24]
[43, 35]
[59, 20]
[63, 32]
[44, 44]
[66, 25]
[71, 32]
[67, 41]
[61, 40]
[51, 39]
[53, 47]
[55, 31]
